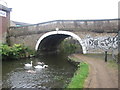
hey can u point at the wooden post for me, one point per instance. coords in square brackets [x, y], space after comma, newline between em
[105, 56]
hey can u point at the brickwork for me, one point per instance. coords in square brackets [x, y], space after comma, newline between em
[29, 35]
[4, 23]
[108, 25]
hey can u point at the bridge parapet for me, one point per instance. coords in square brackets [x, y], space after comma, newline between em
[100, 26]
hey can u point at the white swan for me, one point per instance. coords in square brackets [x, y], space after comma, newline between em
[39, 66]
[28, 65]
[41, 63]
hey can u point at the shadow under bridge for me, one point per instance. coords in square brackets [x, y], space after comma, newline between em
[50, 41]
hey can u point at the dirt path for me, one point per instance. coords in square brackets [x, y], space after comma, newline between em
[100, 75]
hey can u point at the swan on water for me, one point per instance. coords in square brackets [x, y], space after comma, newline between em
[40, 63]
[39, 66]
[28, 65]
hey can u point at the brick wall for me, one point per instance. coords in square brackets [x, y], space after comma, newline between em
[4, 23]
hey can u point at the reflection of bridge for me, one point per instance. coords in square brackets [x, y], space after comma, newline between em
[93, 35]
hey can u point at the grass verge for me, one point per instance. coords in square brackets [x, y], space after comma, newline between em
[112, 64]
[80, 76]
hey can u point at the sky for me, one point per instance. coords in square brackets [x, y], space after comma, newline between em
[37, 11]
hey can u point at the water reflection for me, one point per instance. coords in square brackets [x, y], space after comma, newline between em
[56, 75]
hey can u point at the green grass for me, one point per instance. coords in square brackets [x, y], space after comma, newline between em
[113, 64]
[80, 76]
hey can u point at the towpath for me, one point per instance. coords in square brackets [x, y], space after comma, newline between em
[100, 74]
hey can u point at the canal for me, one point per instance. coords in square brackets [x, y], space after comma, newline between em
[57, 75]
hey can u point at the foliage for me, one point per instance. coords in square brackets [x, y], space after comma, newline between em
[68, 47]
[79, 77]
[15, 52]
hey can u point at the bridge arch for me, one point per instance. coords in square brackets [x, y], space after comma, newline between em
[60, 33]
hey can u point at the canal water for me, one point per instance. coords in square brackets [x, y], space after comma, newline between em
[57, 75]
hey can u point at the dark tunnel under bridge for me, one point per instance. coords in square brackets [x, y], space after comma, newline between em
[50, 41]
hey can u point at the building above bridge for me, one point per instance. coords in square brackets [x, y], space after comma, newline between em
[16, 23]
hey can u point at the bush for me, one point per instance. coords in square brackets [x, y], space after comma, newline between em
[15, 52]
[68, 47]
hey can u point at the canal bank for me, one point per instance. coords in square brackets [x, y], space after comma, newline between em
[15, 52]
[78, 80]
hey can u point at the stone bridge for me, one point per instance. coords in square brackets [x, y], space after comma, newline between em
[93, 35]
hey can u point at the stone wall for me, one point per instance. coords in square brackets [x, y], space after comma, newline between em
[92, 41]
[97, 35]
[107, 25]
[102, 44]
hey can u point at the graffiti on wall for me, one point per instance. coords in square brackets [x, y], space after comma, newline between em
[104, 43]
